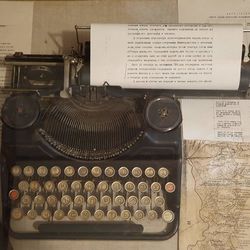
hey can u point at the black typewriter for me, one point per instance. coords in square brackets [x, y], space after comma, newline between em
[80, 161]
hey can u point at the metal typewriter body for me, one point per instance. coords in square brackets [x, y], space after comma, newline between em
[80, 161]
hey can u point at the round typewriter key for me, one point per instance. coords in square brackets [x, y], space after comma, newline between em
[83, 171]
[13, 194]
[92, 200]
[96, 171]
[139, 215]
[163, 172]
[145, 200]
[72, 214]
[76, 186]
[105, 200]
[89, 186]
[170, 187]
[119, 200]
[142, 186]
[16, 214]
[109, 171]
[16, 171]
[150, 172]
[129, 186]
[69, 171]
[46, 214]
[132, 200]
[136, 172]
[55, 171]
[34, 186]
[125, 215]
[116, 186]
[156, 187]
[123, 171]
[85, 214]
[168, 216]
[26, 200]
[99, 214]
[152, 215]
[159, 201]
[103, 186]
[49, 186]
[28, 171]
[66, 200]
[52, 200]
[59, 214]
[62, 186]
[42, 171]
[32, 214]
[23, 186]
[78, 200]
[39, 200]
[112, 214]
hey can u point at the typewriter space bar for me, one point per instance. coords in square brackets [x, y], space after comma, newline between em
[105, 227]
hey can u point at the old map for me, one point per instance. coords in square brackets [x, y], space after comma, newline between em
[215, 209]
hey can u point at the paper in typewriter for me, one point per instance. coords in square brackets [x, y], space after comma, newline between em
[215, 207]
[166, 56]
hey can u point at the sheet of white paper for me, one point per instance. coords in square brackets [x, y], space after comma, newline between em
[166, 56]
[15, 32]
[218, 120]
[214, 11]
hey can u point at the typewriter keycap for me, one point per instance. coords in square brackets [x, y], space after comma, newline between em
[145, 200]
[69, 171]
[132, 200]
[116, 186]
[109, 171]
[156, 187]
[52, 200]
[139, 215]
[152, 215]
[78, 200]
[89, 186]
[102, 186]
[16, 214]
[136, 172]
[34, 186]
[85, 214]
[170, 187]
[96, 171]
[59, 214]
[76, 186]
[163, 172]
[123, 171]
[129, 186]
[99, 214]
[66, 200]
[92, 200]
[13, 194]
[62, 186]
[111, 214]
[168, 216]
[46, 214]
[105, 201]
[119, 200]
[32, 214]
[125, 214]
[72, 214]
[42, 171]
[142, 186]
[83, 171]
[159, 201]
[26, 200]
[28, 171]
[49, 186]
[150, 172]
[16, 171]
[55, 171]
[23, 186]
[39, 200]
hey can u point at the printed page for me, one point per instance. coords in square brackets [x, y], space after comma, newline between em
[213, 11]
[218, 120]
[166, 56]
[15, 33]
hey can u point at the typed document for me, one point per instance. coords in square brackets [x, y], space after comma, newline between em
[166, 56]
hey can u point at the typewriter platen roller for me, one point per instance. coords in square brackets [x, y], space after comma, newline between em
[103, 163]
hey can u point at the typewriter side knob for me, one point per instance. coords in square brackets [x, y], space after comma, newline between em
[20, 111]
[163, 114]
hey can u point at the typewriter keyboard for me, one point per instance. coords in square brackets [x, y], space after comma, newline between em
[141, 195]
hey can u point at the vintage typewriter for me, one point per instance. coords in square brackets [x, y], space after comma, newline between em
[80, 161]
